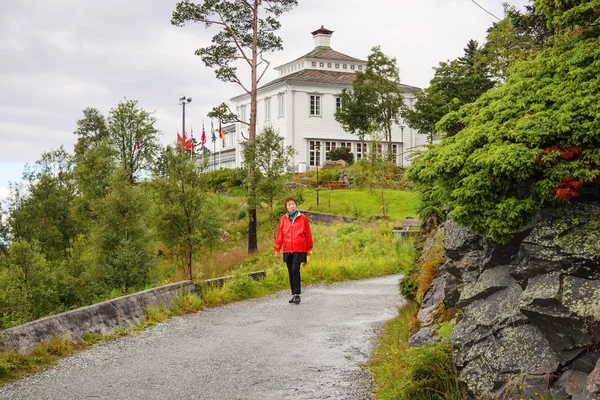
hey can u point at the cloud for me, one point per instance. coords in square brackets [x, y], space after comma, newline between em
[62, 56]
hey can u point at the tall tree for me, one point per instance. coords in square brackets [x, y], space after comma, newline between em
[91, 129]
[95, 161]
[126, 248]
[375, 101]
[246, 33]
[455, 83]
[133, 135]
[519, 36]
[273, 160]
[187, 216]
[355, 114]
[531, 142]
[41, 212]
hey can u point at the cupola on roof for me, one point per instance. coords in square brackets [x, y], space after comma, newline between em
[322, 37]
[322, 58]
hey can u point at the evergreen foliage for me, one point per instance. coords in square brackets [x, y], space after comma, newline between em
[341, 153]
[125, 247]
[454, 84]
[531, 142]
[40, 210]
[519, 36]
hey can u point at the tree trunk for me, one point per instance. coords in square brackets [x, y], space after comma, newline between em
[189, 260]
[272, 216]
[252, 240]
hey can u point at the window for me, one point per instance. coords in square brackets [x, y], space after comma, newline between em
[314, 153]
[361, 150]
[348, 145]
[242, 113]
[328, 147]
[328, 65]
[395, 153]
[315, 105]
[352, 66]
[314, 63]
[321, 64]
[345, 66]
[337, 65]
[338, 103]
[281, 104]
[360, 67]
[267, 108]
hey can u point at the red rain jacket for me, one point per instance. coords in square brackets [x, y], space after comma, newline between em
[294, 237]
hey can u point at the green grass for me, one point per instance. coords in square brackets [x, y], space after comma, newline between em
[416, 373]
[341, 252]
[361, 203]
[413, 373]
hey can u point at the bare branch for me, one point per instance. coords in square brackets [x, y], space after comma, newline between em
[264, 70]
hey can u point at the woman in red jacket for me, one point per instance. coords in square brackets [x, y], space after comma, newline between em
[295, 237]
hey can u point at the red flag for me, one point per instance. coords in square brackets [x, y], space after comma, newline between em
[178, 139]
[221, 136]
[137, 144]
[186, 143]
[203, 138]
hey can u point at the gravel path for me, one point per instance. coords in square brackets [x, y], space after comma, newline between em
[257, 349]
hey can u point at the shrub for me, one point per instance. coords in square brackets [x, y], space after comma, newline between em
[341, 153]
[532, 142]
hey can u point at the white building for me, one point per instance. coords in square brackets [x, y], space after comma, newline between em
[301, 103]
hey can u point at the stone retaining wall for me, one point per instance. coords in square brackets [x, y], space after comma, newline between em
[314, 216]
[102, 318]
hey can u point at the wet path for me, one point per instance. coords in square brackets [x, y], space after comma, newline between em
[257, 349]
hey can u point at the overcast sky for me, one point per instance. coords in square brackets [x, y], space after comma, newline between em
[61, 56]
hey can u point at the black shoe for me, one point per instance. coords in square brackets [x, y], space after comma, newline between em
[292, 300]
[296, 299]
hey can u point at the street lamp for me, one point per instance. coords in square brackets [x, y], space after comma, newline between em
[183, 100]
[318, 147]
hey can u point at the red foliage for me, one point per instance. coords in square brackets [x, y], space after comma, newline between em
[567, 188]
[566, 153]
[571, 153]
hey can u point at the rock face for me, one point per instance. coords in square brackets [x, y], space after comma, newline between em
[531, 308]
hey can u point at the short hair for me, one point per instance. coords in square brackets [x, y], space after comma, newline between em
[289, 199]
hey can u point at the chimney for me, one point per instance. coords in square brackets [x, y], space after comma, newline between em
[322, 37]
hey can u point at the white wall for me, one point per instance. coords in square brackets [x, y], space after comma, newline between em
[298, 127]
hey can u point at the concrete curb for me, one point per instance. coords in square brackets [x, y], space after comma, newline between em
[102, 318]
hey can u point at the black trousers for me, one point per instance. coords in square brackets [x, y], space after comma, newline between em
[293, 261]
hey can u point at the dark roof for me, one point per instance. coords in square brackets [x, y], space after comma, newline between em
[317, 76]
[327, 53]
[321, 76]
[323, 30]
